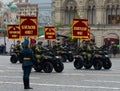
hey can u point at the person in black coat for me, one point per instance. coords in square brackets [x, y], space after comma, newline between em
[28, 59]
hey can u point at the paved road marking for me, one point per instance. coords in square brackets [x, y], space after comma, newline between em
[69, 86]
[17, 77]
[91, 74]
[102, 81]
[69, 74]
[11, 77]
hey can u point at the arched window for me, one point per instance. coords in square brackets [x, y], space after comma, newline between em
[108, 12]
[112, 12]
[70, 11]
[91, 12]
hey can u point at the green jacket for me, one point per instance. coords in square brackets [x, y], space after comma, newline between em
[27, 57]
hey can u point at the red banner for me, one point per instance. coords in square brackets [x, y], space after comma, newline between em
[28, 26]
[13, 31]
[50, 33]
[80, 28]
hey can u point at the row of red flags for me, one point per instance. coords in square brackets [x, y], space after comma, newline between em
[28, 27]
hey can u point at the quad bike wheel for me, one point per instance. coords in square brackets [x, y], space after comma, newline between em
[13, 59]
[58, 67]
[78, 64]
[37, 68]
[97, 64]
[48, 67]
[107, 64]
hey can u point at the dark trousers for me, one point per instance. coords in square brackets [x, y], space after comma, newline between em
[26, 75]
[26, 71]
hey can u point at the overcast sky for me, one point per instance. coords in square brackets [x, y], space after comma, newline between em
[35, 1]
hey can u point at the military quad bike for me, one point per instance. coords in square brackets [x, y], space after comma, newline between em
[66, 55]
[106, 62]
[98, 60]
[47, 61]
[82, 61]
[14, 56]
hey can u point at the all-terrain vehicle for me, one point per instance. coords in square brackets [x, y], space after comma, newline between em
[47, 61]
[82, 60]
[66, 54]
[98, 60]
[15, 55]
[106, 62]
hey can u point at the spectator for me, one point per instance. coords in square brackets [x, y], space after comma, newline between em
[110, 50]
[114, 48]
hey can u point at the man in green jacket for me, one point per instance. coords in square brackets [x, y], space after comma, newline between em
[28, 59]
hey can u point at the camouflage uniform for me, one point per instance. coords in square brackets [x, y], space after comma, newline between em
[85, 48]
[17, 48]
[38, 51]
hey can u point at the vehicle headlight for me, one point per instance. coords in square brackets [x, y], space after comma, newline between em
[77, 56]
[57, 56]
[70, 52]
[106, 56]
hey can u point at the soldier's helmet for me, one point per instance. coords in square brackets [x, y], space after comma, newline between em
[84, 43]
[18, 41]
[40, 43]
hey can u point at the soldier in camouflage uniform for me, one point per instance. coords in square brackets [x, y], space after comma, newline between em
[17, 48]
[38, 51]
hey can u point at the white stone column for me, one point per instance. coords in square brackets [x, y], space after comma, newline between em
[57, 11]
[98, 15]
[98, 36]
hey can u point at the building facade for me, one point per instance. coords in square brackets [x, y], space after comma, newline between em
[4, 18]
[103, 17]
[24, 8]
[27, 9]
[10, 14]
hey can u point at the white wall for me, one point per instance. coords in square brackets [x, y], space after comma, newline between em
[8, 43]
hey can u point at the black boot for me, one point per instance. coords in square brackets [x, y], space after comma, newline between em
[26, 84]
